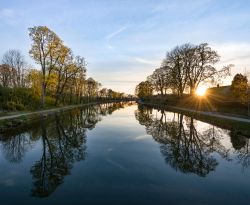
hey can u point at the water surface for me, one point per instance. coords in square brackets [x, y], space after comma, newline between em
[123, 154]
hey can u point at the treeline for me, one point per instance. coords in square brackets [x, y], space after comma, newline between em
[182, 70]
[61, 78]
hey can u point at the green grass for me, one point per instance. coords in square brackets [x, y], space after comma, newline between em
[25, 120]
[242, 128]
[217, 100]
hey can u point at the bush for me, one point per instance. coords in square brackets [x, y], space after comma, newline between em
[49, 101]
[9, 106]
[12, 99]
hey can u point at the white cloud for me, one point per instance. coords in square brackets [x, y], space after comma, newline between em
[8, 16]
[234, 53]
[142, 137]
[7, 13]
[113, 34]
[146, 61]
[164, 7]
[110, 47]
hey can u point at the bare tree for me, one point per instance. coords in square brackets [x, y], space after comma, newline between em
[201, 60]
[16, 61]
[191, 65]
[175, 60]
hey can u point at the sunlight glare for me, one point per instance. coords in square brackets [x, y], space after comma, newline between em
[201, 91]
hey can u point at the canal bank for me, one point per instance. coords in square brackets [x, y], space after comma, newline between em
[239, 124]
[16, 120]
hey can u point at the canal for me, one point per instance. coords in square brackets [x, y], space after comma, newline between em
[122, 153]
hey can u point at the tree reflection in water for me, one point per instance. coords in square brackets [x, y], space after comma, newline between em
[188, 147]
[63, 142]
[241, 145]
[14, 148]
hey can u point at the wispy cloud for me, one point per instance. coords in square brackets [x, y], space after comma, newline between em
[8, 16]
[110, 47]
[234, 52]
[142, 37]
[178, 5]
[115, 33]
[141, 137]
[163, 7]
[146, 61]
[7, 13]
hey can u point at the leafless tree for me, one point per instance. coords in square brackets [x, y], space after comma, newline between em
[193, 64]
[15, 60]
[175, 60]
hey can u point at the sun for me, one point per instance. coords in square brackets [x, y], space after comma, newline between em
[201, 91]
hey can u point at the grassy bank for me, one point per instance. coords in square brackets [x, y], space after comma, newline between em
[18, 119]
[242, 128]
[209, 103]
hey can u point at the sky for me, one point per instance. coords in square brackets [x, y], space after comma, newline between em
[123, 41]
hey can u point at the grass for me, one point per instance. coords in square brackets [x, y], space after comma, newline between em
[218, 100]
[242, 128]
[24, 120]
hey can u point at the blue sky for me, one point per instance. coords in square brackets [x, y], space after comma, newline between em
[123, 41]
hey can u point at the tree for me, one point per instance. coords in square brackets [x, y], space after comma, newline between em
[16, 62]
[175, 61]
[34, 80]
[103, 92]
[5, 75]
[61, 79]
[92, 87]
[161, 79]
[144, 89]
[200, 66]
[239, 87]
[45, 50]
[80, 76]
[67, 71]
[191, 65]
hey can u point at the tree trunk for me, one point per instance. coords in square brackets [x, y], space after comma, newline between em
[70, 96]
[192, 90]
[43, 94]
[161, 91]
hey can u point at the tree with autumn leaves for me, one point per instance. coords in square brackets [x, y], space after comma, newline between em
[60, 78]
[240, 88]
[56, 60]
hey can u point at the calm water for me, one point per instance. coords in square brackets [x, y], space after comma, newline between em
[122, 154]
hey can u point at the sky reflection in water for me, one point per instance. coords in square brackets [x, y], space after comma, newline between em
[123, 154]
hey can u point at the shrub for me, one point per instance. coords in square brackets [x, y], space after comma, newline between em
[12, 99]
